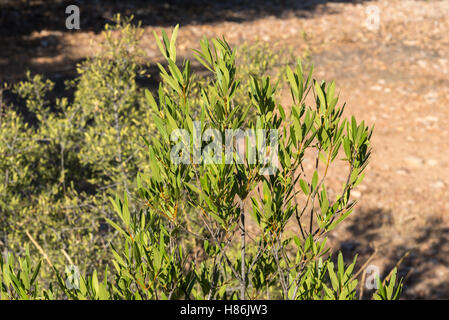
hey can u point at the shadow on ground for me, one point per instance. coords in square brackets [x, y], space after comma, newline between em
[25, 16]
[425, 253]
[21, 18]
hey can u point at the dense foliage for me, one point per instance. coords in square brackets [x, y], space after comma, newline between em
[182, 222]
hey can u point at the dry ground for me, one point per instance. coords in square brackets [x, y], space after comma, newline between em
[396, 77]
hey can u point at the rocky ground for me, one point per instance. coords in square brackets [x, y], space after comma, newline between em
[395, 76]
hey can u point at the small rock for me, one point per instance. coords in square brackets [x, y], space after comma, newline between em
[431, 97]
[414, 161]
[422, 63]
[427, 121]
[431, 119]
[431, 162]
[356, 194]
[438, 185]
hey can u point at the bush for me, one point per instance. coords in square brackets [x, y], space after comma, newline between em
[217, 186]
[186, 232]
[62, 159]
[72, 153]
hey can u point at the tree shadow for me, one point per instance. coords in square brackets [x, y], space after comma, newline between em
[22, 49]
[25, 16]
[425, 255]
[426, 272]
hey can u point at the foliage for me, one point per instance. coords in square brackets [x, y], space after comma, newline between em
[235, 265]
[61, 159]
[60, 169]
[185, 232]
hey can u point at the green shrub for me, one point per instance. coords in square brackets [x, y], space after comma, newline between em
[158, 262]
[63, 166]
[61, 160]
[186, 231]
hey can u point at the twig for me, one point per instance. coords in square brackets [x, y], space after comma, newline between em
[387, 278]
[67, 257]
[364, 273]
[39, 248]
[362, 286]
[243, 251]
[365, 264]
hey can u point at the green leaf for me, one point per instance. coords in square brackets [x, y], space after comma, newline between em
[173, 43]
[36, 272]
[321, 98]
[341, 266]
[332, 276]
[95, 281]
[314, 180]
[150, 100]
[304, 187]
[159, 44]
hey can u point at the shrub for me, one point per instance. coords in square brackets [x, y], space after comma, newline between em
[61, 159]
[186, 234]
[73, 153]
[234, 264]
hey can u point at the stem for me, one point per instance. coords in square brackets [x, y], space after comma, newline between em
[39, 248]
[242, 251]
[63, 169]
[212, 283]
[298, 218]
[280, 272]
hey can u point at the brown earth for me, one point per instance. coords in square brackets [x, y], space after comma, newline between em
[396, 77]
